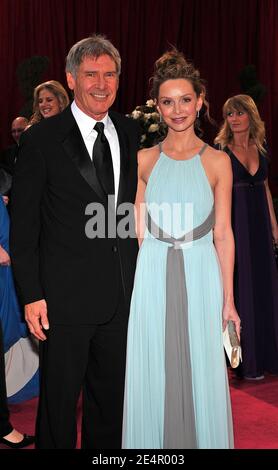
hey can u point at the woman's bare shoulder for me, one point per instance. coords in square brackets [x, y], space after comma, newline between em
[218, 157]
[146, 157]
[146, 160]
[145, 154]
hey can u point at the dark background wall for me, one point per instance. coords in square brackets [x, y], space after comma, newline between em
[220, 36]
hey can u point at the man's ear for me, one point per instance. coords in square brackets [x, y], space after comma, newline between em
[70, 80]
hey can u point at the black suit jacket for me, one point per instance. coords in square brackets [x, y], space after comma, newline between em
[52, 257]
[8, 158]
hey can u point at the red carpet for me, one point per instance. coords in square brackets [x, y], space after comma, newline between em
[255, 412]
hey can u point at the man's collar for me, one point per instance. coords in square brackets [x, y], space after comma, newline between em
[86, 123]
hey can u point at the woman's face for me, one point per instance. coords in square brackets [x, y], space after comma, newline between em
[48, 103]
[178, 104]
[238, 121]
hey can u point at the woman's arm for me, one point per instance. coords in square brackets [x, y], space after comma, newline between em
[223, 236]
[140, 199]
[274, 226]
[147, 158]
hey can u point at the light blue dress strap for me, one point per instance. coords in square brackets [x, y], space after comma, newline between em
[203, 149]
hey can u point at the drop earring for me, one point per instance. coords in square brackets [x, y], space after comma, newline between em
[198, 114]
[160, 118]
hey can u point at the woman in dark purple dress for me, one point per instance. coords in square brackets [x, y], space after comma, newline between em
[255, 230]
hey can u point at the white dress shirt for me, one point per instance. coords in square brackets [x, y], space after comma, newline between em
[86, 126]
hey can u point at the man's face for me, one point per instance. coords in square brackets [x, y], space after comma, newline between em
[95, 86]
[18, 126]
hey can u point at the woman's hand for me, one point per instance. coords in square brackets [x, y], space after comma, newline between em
[4, 257]
[275, 234]
[230, 313]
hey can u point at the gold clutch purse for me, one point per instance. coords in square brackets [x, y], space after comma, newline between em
[232, 344]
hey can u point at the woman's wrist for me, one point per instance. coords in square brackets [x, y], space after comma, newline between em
[228, 300]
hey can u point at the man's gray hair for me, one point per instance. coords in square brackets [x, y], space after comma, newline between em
[93, 46]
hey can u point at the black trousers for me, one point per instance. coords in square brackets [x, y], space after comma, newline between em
[90, 358]
[5, 425]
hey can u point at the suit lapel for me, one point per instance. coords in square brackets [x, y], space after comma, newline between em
[76, 149]
[124, 165]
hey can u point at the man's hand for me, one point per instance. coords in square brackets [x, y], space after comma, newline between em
[36, 317]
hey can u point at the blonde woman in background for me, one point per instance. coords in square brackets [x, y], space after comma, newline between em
[50, 98]
[242, 137]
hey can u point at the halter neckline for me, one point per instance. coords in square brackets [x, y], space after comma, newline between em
[184, 159]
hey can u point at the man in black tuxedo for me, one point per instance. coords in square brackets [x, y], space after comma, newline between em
[76, 288]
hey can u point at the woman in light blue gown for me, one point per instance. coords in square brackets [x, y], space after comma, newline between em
[176, 392]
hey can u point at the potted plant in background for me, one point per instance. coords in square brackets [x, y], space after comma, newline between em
[152, 129]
